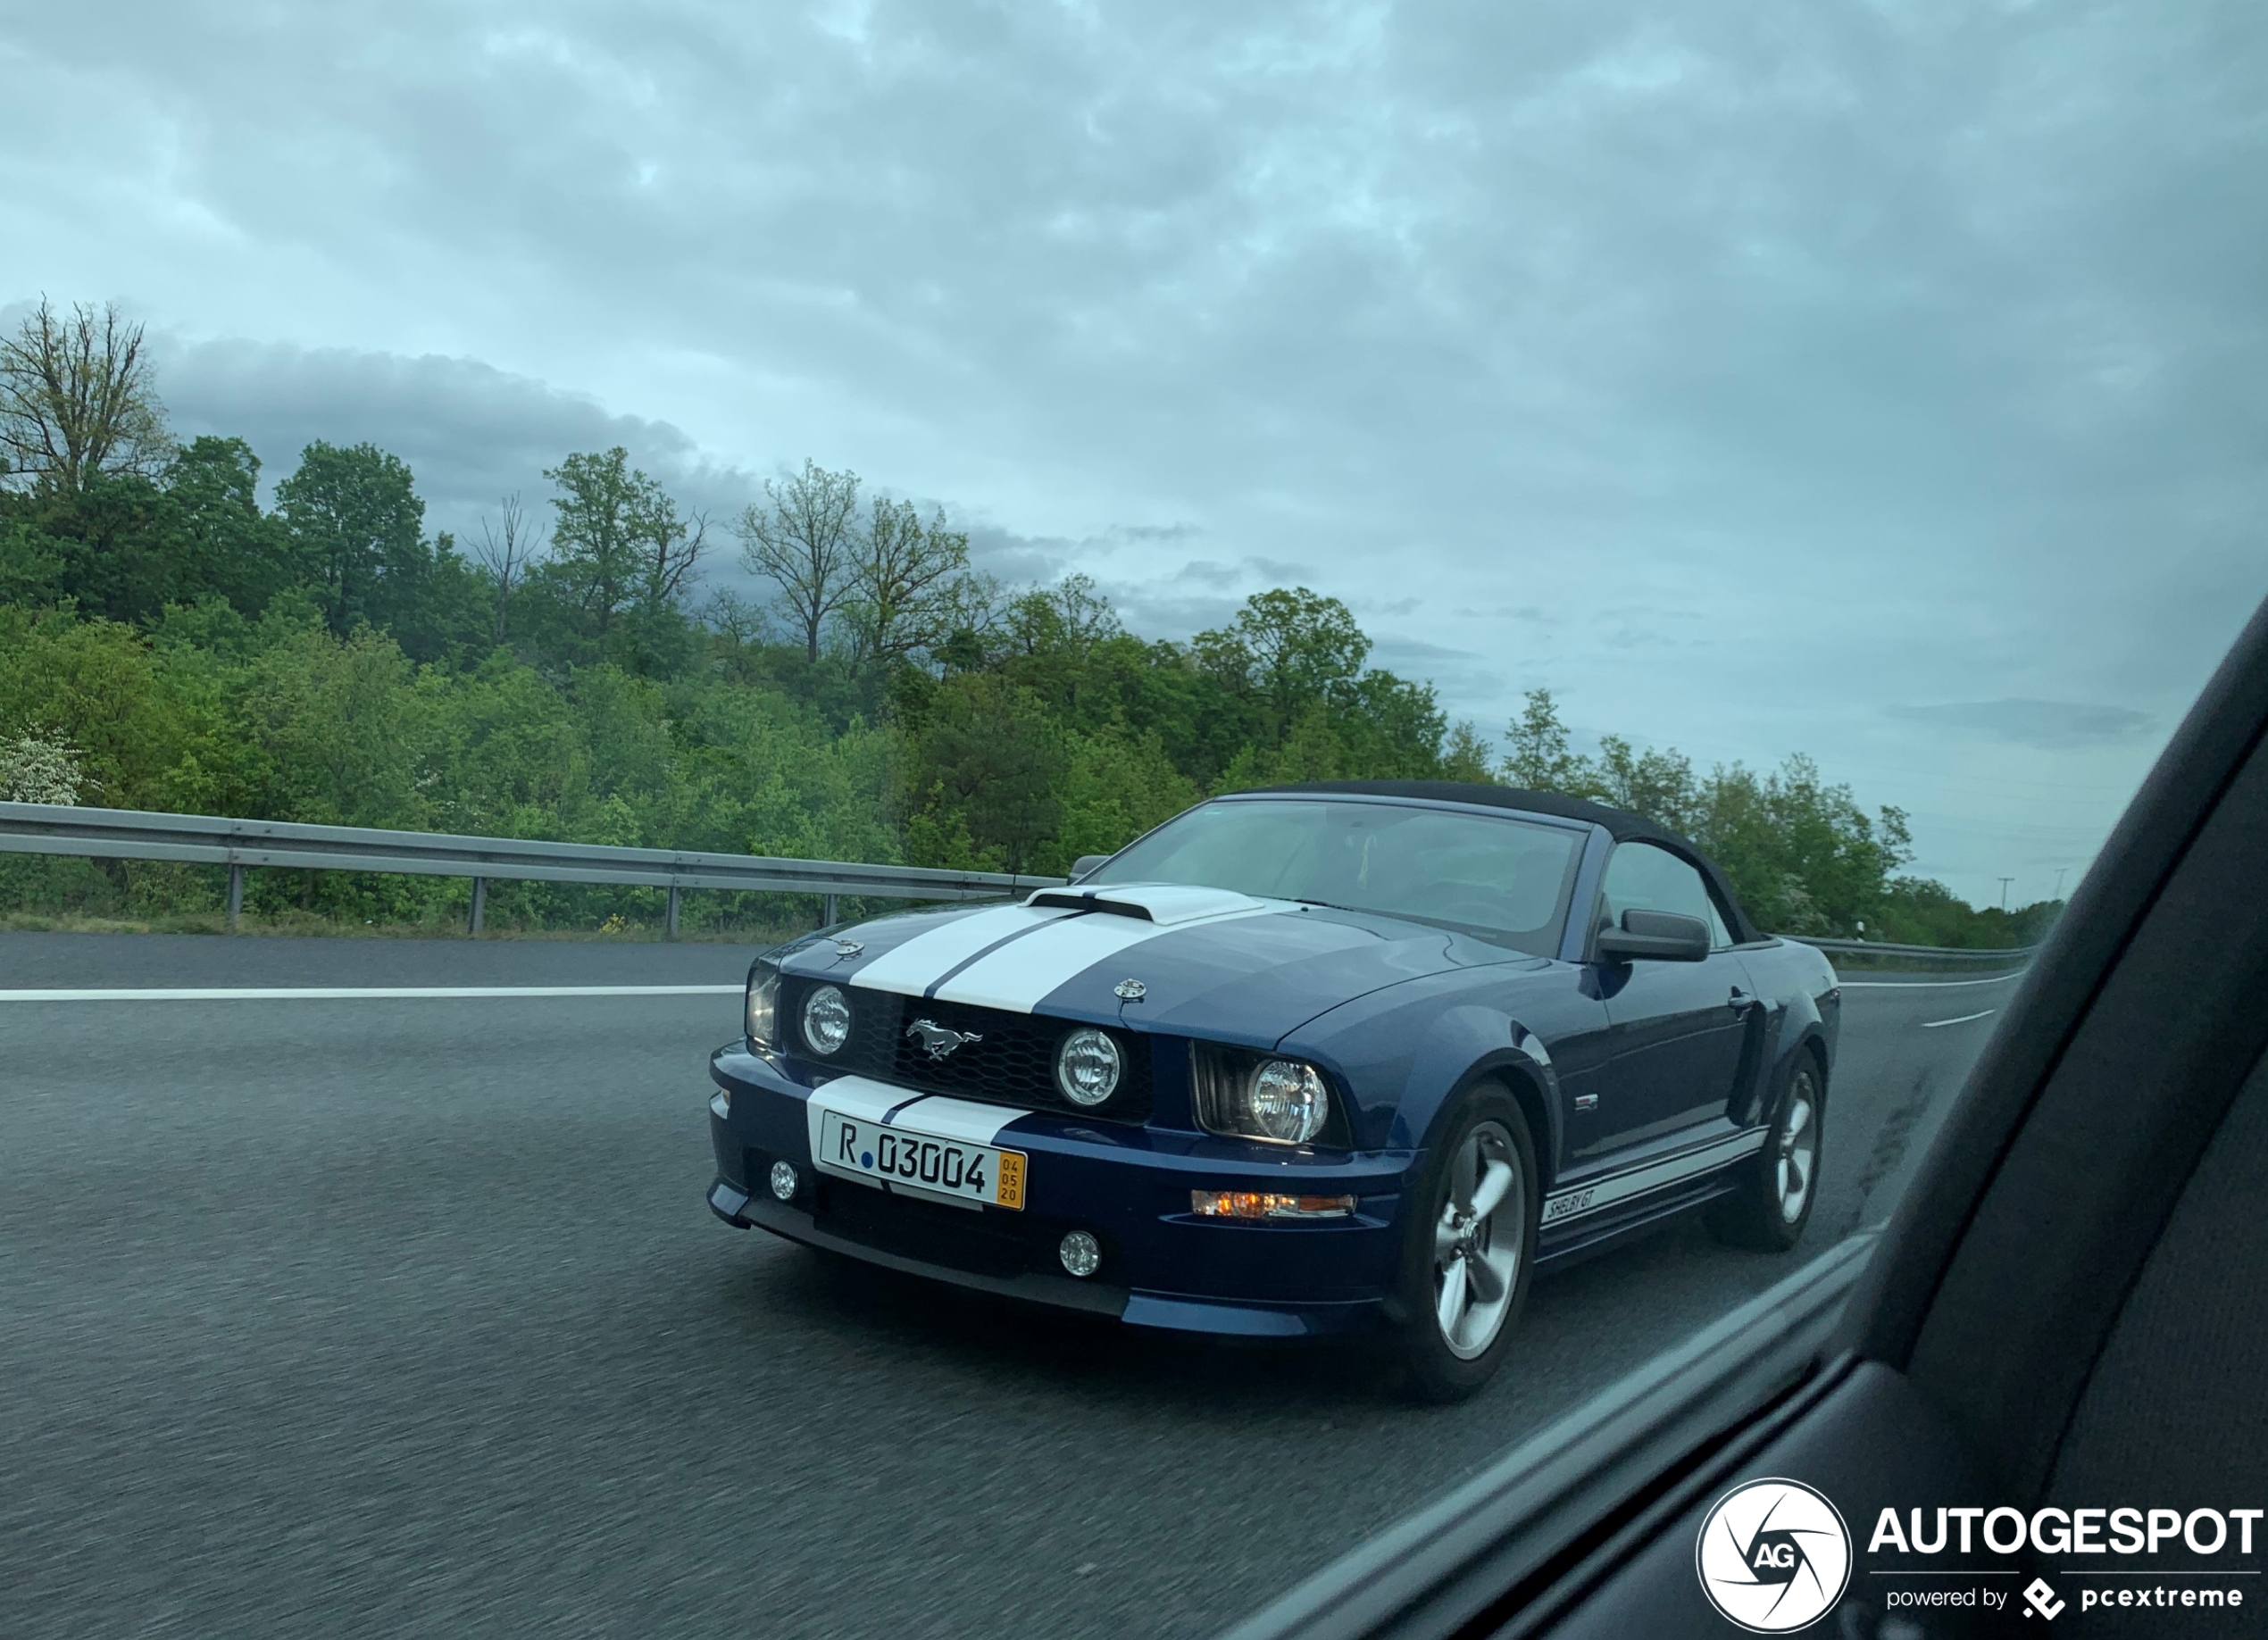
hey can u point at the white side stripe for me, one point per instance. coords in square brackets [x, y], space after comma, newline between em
[1920, 984]
[1581, 1199]
[336, 993]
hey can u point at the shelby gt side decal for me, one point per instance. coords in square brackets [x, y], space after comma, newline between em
[1595, 1194]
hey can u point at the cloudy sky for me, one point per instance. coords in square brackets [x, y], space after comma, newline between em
[1881, 381]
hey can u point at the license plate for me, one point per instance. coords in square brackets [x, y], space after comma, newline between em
[982, 1175]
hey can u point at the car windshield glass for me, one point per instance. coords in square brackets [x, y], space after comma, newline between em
[1505, 880]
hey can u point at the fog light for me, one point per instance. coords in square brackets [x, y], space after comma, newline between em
[1080, 1253]
[783, 1180]
[1266, 1204]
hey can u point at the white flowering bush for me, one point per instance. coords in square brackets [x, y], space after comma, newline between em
[36, 768]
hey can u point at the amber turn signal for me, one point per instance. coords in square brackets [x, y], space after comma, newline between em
[1267, 1205]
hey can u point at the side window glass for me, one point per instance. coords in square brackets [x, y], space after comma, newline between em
[1640, 877]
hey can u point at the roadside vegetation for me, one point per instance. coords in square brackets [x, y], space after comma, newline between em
[168, 642]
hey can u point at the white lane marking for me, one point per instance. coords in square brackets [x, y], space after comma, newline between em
[334, 994]
[1017, 977]
[1920, 984]
[913, 967]
[1930, 1025]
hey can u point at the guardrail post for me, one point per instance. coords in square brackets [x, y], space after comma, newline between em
[668, 927]
[479, 901]
[236, 896]
[828, 921]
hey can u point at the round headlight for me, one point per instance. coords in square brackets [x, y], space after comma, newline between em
[1087, 1067]
[827, 1020]
[1286, 1101]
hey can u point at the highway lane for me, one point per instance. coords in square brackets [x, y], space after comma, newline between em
[405, 1316]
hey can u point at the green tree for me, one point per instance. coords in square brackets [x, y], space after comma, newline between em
[212, 533]
[342, 722]
[1287, 648]
[357, 522]
[986, 768]
[618, 543]
[902, 573]
[1540, 759]
[1657, 783]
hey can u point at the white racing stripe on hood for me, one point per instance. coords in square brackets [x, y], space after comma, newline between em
[913, 966]
[1018, 975]
[860, 1096]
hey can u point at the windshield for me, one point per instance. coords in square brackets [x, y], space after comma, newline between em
[1504, 879]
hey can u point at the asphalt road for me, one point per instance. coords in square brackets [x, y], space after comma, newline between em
[380, 1317]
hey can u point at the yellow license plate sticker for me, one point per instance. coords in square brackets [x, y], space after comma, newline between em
[1008, 1180]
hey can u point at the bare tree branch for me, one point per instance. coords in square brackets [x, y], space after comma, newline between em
[509, 552]
[901, 574]
[800, 539]
[78, 399]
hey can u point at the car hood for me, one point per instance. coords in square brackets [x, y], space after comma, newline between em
[1187, 961]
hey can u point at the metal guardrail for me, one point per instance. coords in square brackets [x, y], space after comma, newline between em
[240, 844]
[200, 839]
[1923, 955]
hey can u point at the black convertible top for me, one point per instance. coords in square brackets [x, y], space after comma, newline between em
[1621, 824]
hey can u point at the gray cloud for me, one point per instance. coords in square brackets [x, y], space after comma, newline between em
[469, 431]
[2052, 726]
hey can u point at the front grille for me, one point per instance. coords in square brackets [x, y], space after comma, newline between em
[1012, 1062]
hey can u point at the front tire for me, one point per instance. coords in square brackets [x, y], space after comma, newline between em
[1470, 1247]
[1779, 1185]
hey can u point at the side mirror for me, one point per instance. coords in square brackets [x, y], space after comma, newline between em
[1085, 863]
[1657, 936]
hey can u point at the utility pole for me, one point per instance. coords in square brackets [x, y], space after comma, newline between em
[2004, 891]
[2059, 881]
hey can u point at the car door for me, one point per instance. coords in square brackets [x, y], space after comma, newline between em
[1676, 1030]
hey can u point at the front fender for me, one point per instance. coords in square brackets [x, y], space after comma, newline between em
[1804, 1013]
[1406, 1054]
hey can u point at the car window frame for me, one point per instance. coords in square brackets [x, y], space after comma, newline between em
[1721, 935]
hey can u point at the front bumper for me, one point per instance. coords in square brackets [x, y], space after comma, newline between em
[1129, 1188]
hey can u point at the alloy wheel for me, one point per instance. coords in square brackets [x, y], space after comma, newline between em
[1798, 1150]
[1479, 1241]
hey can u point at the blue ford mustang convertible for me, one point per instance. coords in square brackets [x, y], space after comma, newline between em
[1343, 1058]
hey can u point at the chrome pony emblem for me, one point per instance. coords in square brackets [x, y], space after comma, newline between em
[940, 1041]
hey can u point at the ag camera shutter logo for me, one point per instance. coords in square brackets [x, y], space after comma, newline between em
[1774, 1556]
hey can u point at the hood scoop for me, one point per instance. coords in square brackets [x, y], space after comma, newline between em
[1159, 902]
